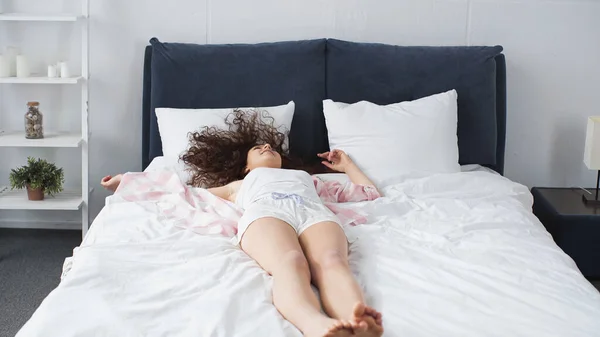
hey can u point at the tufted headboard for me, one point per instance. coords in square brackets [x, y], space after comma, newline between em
[180, 75]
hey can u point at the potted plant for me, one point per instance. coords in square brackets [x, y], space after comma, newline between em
[39, 177]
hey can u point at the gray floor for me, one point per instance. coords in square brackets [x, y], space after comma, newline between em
[30, 266]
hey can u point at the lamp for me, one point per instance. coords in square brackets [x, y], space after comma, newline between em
[591, 156]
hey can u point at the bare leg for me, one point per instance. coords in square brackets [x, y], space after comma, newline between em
[326, 248]
[274, 245]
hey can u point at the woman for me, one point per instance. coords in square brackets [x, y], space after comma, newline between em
[285, 226]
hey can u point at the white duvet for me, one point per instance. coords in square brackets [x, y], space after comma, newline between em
[446, 255]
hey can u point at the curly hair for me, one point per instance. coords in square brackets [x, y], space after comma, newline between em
[216, 157]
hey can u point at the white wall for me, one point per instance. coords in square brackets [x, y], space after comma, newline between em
[552, 49]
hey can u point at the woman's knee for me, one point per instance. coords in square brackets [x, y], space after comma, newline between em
[292, 259]
[330, 260]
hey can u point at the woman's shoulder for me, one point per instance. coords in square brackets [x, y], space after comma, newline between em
[235, 185]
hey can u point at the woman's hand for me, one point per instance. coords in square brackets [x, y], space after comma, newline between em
[336, 160]
[111, 183]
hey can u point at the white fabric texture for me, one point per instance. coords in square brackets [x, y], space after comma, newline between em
[174, 125]
[453, 255]
[406, 137]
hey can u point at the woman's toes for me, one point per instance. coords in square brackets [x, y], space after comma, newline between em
[359, 310]
[355, 324]
[370, 311]
[359, 325]
[363, 326]
[375, 314]
[339, 325]
[339, 329]
[331, 330]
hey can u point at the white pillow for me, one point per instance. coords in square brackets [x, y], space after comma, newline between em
[175, 124]
[391, 140]
[169, 163]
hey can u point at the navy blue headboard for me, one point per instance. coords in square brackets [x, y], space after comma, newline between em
[219, 76]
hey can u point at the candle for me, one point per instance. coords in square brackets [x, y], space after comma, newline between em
[11, 53]
[4, 66]
[52, 73]
[22, 66]
[64, 70]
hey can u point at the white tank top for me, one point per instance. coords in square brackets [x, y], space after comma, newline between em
[262, 182]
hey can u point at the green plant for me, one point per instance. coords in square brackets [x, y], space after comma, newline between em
[38, 173]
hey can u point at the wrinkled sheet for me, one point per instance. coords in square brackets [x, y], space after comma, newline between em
[163, 193]
[445, 255]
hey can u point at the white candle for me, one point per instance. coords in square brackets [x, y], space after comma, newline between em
[52, 73]
[22, 66]
[64, 70]
[4, 66]
[11, 53]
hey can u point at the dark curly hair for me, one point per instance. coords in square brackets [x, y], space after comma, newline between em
[216, 157]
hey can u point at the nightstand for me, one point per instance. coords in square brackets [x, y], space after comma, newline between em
[574, 225]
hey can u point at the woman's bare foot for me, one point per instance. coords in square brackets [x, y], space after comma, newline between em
[370, 311]
[368, 320]
[333, 328]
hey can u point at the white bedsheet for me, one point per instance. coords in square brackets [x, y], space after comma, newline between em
[447, 255]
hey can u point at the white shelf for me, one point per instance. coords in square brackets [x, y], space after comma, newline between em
[40, 80]
[39, 17]
[72, 139]
[17, 200]
[17, 139]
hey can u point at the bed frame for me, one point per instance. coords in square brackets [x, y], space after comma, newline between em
[223, 76]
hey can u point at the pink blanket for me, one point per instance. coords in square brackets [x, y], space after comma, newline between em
[163, 193]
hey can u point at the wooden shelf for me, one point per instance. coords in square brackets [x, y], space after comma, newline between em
[17, 139]
[39, 17]
[17, 200]
[40, 80]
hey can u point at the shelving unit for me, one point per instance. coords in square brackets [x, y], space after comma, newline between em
[40, 80]
[67, 200]
[39, 17]
[17, 139]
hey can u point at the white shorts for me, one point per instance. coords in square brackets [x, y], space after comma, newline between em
[298, 212]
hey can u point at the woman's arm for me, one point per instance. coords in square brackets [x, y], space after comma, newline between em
[227, 192]
[338, 160]
[357, 176]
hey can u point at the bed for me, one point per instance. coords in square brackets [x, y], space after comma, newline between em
[456, 254]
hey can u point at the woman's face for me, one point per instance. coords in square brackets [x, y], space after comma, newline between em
[262, 156]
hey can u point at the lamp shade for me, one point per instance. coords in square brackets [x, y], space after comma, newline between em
[591, 156]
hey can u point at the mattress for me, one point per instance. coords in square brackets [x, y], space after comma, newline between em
[444, 255]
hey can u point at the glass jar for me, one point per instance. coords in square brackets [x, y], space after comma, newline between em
[34, 126]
